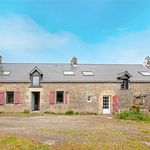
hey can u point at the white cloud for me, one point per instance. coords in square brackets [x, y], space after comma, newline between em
[130, 47]
[20, 35]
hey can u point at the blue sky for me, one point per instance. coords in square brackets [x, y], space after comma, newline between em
[95, 31]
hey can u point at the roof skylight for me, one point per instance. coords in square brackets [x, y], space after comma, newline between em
[6, 73]
[69, 73]
[145, 73]
[88, 73]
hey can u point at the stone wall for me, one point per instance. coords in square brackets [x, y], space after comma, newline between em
[24, 95]
[78, 93]
[138, 92]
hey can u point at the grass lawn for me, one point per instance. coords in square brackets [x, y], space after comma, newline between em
[12, 142]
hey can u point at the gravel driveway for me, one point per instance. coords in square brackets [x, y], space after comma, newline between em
[55, 129]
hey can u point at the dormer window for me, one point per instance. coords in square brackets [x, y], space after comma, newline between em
[124, 77]
[36, 77]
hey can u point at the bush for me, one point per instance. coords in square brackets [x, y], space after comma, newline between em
[77, 113]
[69, 112]
[85, 113]
[26, 111]
[133, 114]
[49, 112]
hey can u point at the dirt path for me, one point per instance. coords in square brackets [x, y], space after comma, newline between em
[57, 129]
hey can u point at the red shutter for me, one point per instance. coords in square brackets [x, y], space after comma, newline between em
[115, 104]
[2, 97]
[17, 97]
[66, 97]
[52, 98]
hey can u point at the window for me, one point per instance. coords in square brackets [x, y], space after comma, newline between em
[9, 97]
[89, 99]
[59, 96]
[69, 73]
[145, 73]
[125, 84]
[105, 102]
[6, 73]
[36, 81]
[36, 77]
[88, 73]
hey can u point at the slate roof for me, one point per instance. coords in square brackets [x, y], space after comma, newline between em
[54, 72]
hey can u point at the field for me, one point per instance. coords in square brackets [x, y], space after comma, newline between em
[78, 132]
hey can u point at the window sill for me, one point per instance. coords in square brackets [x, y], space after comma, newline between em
[60, 103]
[10, 103]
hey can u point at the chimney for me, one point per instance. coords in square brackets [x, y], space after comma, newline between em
[74, 62]
[1, 60]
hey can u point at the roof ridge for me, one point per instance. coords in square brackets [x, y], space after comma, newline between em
[68, 63]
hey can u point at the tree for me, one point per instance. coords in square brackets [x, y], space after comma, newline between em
[147, 61]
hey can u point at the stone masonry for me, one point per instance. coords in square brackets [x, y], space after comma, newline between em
[78, 93]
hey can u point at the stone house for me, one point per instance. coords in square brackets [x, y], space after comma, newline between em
[58, 87]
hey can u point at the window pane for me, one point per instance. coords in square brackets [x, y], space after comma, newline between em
[6, 72]
[36, 81]
[124, 84]
[105, 102]
[69, 73]
[60, 96]
[10, 97]
[88, 73]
